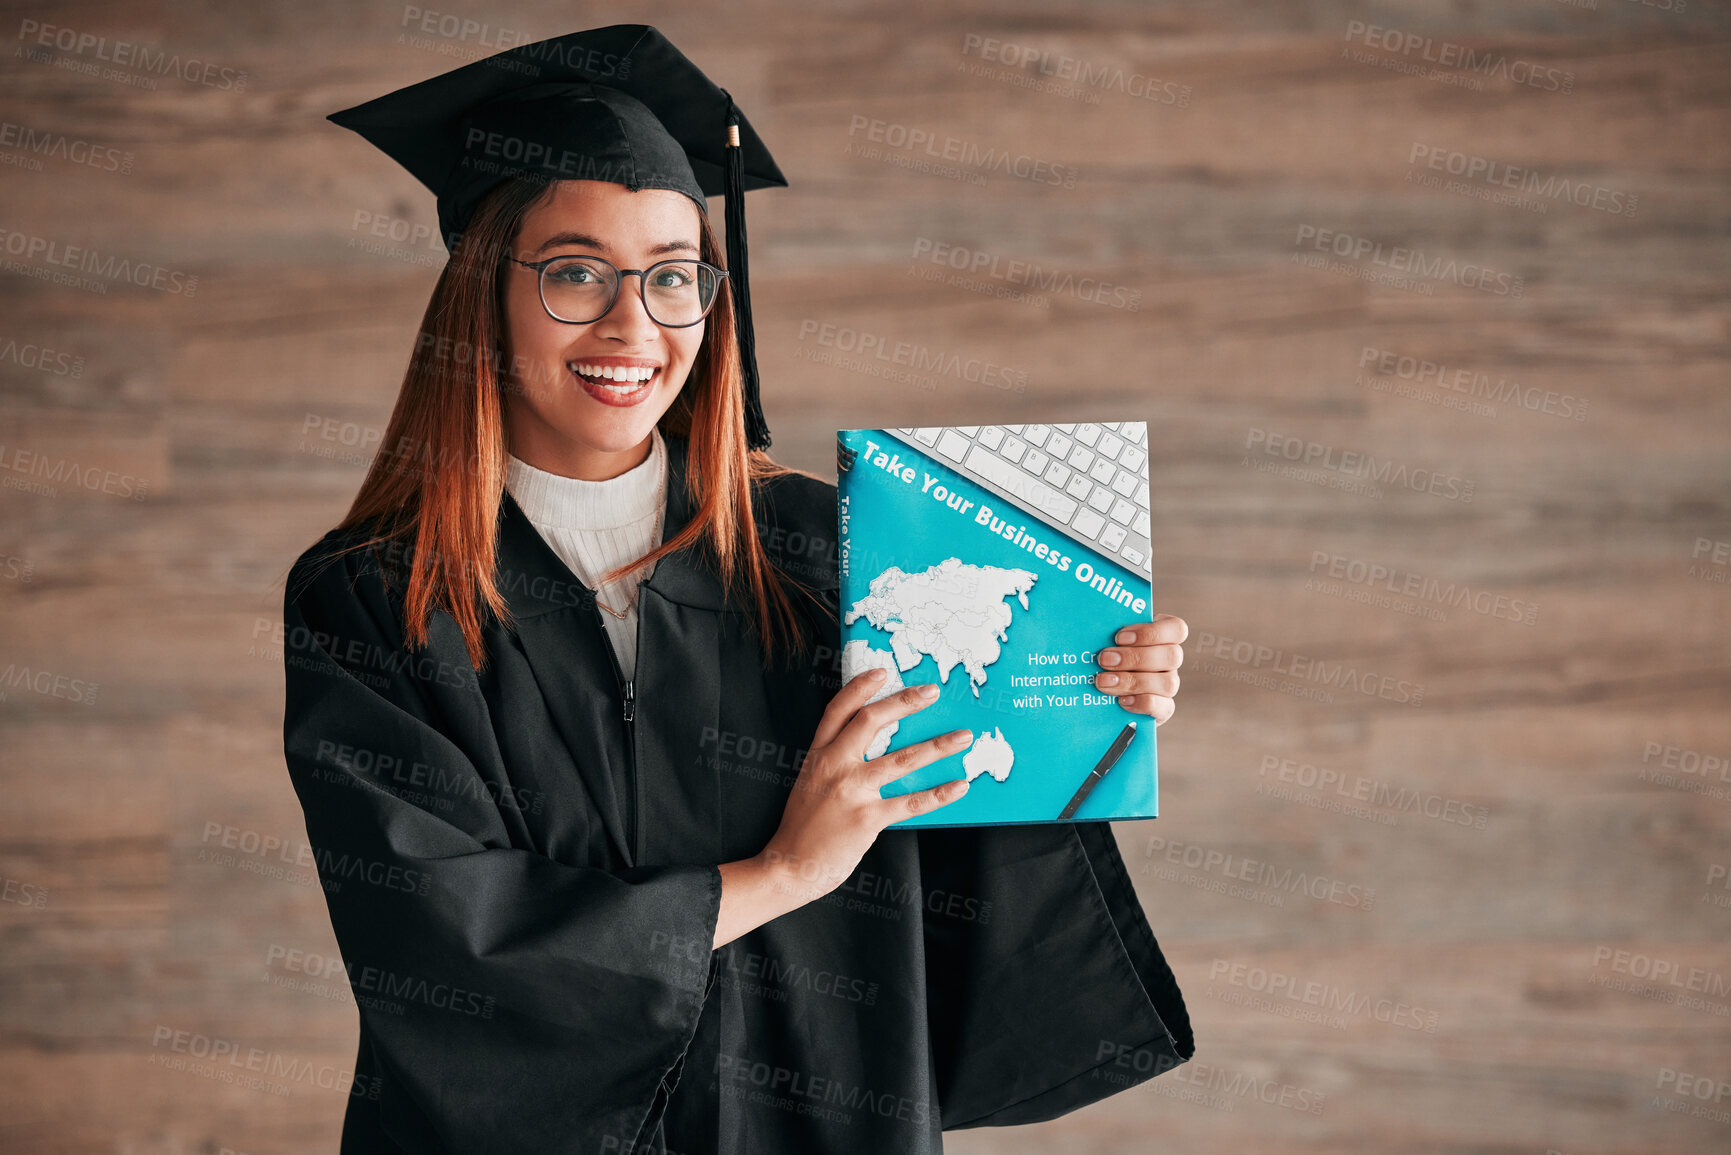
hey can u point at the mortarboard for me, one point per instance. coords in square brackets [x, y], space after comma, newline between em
[618, 104]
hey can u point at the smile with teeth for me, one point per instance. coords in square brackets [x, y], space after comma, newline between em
[614, 378]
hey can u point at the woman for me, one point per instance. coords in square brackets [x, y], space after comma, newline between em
[606, 864]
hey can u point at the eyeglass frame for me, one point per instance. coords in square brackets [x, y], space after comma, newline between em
[540, 268]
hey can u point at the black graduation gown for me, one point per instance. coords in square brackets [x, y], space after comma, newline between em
[523, 884]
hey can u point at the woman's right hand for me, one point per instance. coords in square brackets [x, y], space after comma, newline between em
[835, 812]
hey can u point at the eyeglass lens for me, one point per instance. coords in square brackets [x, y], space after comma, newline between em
[580, 290]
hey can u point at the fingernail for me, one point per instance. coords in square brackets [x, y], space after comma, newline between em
[1125, 637]
[1110, 657]
[959, 787]
[928, 691]
[1107, 679]
[957, 736]
[876, 674]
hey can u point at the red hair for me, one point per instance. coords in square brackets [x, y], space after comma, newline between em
[439, 476]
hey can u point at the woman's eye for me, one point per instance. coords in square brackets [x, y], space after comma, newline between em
[574, 274]
[671, 279]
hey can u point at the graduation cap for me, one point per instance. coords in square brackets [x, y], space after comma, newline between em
[618, 104]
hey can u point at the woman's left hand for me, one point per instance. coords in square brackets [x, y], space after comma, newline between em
[1141, 668]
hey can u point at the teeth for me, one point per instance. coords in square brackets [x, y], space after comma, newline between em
[619, 373]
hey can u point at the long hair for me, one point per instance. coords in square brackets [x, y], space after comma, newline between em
[438, 478]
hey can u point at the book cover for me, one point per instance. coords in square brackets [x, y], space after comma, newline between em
[993, 560]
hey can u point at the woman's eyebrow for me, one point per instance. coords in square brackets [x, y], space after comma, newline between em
[596, 243]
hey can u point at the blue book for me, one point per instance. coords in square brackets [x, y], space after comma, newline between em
[992, 561]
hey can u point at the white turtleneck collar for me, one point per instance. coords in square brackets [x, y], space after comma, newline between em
[597, 526]
[552, 500]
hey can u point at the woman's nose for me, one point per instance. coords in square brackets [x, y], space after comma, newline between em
[628, 319]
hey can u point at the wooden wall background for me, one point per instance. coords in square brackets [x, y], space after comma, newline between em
[239, 404]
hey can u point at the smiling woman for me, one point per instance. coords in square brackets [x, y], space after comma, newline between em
[495, 374]
[650, 845]
[570, 317]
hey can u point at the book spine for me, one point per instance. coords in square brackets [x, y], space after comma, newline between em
[845, 457]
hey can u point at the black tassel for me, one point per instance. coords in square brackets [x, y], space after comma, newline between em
[756, 428]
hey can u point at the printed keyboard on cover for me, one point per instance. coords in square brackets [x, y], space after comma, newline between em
[1090, 480]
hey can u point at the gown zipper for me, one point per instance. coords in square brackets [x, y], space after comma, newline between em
[628, 712]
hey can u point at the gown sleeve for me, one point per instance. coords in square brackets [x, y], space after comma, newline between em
[1047, 990]
[509, 1001]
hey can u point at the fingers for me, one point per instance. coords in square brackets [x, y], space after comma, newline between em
[1141, 668]
[857, 734]
[1163, 629]
[886, 768]
[1156, 706]
[1155, 657]
[920, 801]
[1163, 683]
[851, 697]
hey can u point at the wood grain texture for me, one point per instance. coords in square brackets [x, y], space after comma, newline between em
[1470, 1006]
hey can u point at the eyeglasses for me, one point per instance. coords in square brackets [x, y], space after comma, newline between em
[581, 290]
